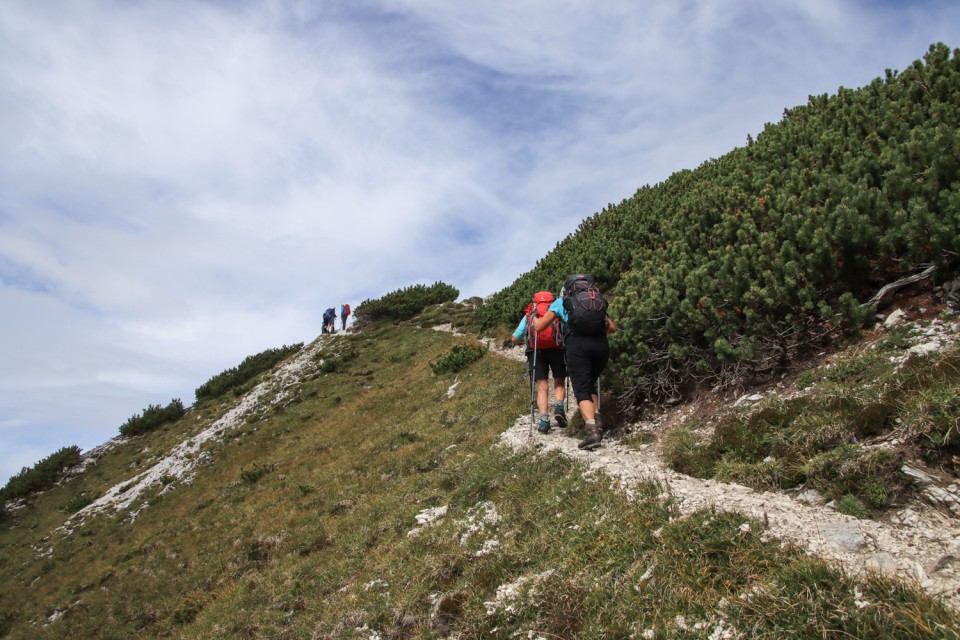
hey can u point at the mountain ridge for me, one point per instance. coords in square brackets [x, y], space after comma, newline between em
[484, 512]
[357, 489]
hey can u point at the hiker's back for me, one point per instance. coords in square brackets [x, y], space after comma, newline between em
[585, 306]
[550, 336]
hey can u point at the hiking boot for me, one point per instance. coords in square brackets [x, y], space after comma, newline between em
[592, 441]
[544, 426]
[560, 415]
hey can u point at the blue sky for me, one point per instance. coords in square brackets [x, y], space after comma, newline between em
[184, 184]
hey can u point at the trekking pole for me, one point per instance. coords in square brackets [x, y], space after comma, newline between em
[598, 399]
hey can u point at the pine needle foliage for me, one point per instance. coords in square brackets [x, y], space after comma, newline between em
[40, 476]
[153, 417]
[728, 272]
[405, 303]
[251, 367]
[458, 358]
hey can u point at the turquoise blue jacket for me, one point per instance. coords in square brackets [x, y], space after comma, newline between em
[556, 306]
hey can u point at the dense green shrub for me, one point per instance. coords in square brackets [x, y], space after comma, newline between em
[40, 476]
[253, 475]
[458, 358]
[152, 417]
[76, 503]
[248, 369]
[456, 314]
[403, 304]
[736, 268]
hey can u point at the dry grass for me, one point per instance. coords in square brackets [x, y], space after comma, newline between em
[300, 523]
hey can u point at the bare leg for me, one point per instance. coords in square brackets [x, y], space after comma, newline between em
[587, 409]
[542, 396]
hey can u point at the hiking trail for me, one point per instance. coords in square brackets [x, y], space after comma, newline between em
[918, 542]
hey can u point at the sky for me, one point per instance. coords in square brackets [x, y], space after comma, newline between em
[186, 183]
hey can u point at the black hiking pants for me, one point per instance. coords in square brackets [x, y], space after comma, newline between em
[548, 360]
[587, 357]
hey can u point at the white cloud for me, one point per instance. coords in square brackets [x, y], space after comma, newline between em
[183, 184]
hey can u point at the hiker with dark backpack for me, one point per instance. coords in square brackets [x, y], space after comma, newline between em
[544, 355]
[329, 321]
[582, 310]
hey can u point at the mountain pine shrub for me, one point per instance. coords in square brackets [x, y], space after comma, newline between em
[79, 502]
[403, 304]
[731, 271]
[252, 475]
[458, 358]
[152, 417]
[40, 476]
[251, 367]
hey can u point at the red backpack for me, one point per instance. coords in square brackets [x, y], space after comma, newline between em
[549, 337]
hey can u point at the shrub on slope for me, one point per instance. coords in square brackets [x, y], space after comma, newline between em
[403, 304]
[251, 367]
[40, 476]
[733, 269]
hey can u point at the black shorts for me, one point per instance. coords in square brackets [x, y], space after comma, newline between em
[549, 360]
[586, 359]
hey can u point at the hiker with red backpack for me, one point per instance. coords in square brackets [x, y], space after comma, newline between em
[544, 355]
[582, 310]
[344, 313]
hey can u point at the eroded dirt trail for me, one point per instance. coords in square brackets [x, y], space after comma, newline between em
[920, 543]
[179, 464]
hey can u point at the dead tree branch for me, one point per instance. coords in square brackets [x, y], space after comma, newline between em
[887, 289]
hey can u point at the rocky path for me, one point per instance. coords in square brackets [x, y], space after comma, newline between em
[919, 543]
[179, 464]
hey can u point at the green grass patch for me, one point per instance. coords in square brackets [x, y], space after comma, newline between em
[832, 438]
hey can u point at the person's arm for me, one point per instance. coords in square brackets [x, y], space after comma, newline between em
[541, 323]
[610, 326]
[519, 333]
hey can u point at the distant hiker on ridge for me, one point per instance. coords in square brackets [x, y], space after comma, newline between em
[583, 311]
[344, 312]
[329, 321]
[544, 354]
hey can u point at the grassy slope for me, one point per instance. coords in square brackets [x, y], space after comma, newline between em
[846, 430]
[298, 525]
